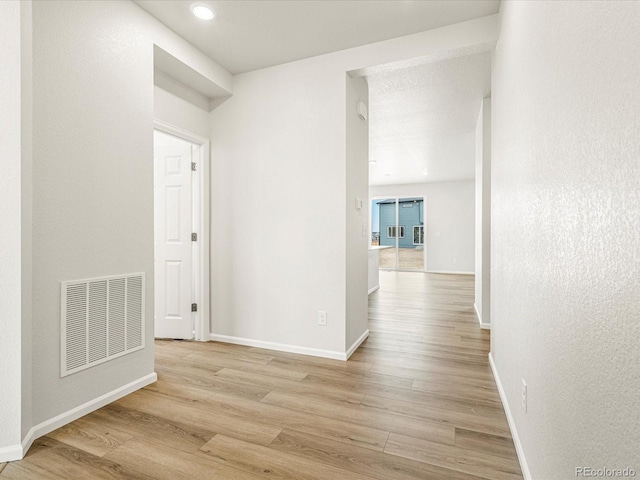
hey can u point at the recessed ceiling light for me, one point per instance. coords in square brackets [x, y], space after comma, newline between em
[202, 11]
[387, 174]
[372, 162]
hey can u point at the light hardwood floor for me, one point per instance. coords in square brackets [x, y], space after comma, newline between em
[415, 401]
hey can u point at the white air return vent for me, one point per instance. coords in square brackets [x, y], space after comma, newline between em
[102, 318]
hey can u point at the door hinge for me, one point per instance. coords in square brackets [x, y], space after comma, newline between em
[194, 237]
[194, 307]
[193, 166]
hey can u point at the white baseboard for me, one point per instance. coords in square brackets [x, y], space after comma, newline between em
[357, 343]
[373, 289]
[11, 453]
[280, 347]
[512, 425]
[484, 326]
[69, 416]
[451, 272]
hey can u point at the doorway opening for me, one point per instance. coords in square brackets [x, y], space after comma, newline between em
[181, 234]
[398, 232]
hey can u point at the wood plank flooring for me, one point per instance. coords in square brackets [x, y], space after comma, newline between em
[415, 401]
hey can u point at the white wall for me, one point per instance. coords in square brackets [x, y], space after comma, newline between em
[26, 123]
[373, 272]
[483, 213]
[92, 180]
[173, 110]
[357, 316]
[278, 209]
[10, 238]
[449, 220]
[565, 252]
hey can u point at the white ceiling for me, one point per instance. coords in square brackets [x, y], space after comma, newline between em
[248, 35]
[424, 118]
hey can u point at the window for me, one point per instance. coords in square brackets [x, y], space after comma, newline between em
[418, 234]
[391, 232]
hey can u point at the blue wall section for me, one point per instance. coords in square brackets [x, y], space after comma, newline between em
[410, 213]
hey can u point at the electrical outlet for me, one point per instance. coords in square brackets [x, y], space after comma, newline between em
[322, 318]
[524, 396]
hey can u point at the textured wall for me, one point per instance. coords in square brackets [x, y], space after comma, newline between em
[10, 239]
[483, 212]
[566, 236]
[278, 186]
[92, 179]
[357, 168]
[26, 167]
[174, 110]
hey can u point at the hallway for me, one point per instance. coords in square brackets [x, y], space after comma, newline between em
[423, 329]
[416, 401]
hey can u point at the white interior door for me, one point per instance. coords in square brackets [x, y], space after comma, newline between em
[173, 244]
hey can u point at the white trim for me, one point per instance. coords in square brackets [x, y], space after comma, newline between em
[280, 347]
[11, 453]
[398, 228]
[80, 411]
[396, 237]
[357, 343]
[451, 272]
[413, 234]
[373, 289]
[202, 323]
[512, 424]
[178, 132]
[484, 326]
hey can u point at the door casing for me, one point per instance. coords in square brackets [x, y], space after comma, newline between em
[397, 198]
[201, 226]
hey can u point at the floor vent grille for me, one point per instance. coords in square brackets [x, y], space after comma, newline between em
[102, 318]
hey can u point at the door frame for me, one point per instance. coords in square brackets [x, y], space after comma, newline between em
[424, 213]
[200, 216]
